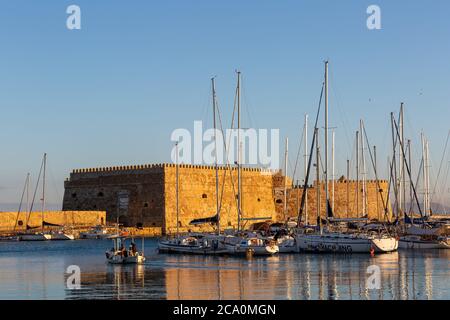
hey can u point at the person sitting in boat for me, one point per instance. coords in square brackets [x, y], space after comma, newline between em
[133, 248]
[123, 251]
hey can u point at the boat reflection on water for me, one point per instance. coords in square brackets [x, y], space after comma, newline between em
[120, 282]
[305, 277]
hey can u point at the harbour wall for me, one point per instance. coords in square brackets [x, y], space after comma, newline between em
[11, 220]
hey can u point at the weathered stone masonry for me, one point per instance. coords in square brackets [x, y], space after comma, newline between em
[145, 195]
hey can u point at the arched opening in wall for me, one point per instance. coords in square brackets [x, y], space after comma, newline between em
[229, 223]
[204, 196]
[139, 225]
[179, 224]
[279, 201]
[94, 206]
[145, 204]
[100, 194]
[153, 224]
[20, 223]
[259, 200]
[102, 221]
[74, 195]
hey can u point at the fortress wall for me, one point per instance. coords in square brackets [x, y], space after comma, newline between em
[141, 189]
[374, 201]
[197, 196]
[74, 218]
[151, 194]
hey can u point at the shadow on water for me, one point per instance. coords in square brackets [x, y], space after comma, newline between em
[37, 271]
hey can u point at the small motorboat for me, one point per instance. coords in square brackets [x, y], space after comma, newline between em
[287, 244]
[412, 241]
[39, 236]
[120, 255]
[205, 244]
[62, 235]
[98, 232]
[253, 246]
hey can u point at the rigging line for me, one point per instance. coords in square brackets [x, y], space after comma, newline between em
[342, 113]
[246, 105]
[298, 152]
[227, 150]
[34, 194]
[417, 183]
[21, 200]
[305, 185]
[407, 168]
[226, 155]
[375, 171]
[440, 165]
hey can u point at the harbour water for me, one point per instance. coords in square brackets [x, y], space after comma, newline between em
[37, 270]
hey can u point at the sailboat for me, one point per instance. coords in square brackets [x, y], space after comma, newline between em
[243, 242]
[42, 235]
[37, 236]
[206, 244]
[326, 239]
[419, 233]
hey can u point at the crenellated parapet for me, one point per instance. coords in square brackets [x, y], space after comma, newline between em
[168, 165]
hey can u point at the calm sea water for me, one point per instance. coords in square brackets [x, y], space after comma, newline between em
[37, 270]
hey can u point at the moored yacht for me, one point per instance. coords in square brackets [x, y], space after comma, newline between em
[252, 245]
[338, 242]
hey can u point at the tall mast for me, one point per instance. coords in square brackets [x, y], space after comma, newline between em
[332, 170]
[239, 148]
[363, 169]
[319, 220]
[286, 152]
[424, 174]
[428, 178]
[357, 173]
[177, 186]
[394, 162]
[43, 191]
[326, 137]
[215, 148]
[306, 167]
[410, 168]
[348, 185]
[28, 191]
[376, 177]
[402, 178]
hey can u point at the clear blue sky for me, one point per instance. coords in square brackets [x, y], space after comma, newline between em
[112, 92]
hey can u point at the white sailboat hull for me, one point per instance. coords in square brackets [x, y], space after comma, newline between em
[62, 236]
[117, 259]
[255, 250]
[415, 243]
[338, 243]
[35, 237]
[171, 247]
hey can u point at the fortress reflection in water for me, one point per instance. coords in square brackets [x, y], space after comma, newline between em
[304, 277]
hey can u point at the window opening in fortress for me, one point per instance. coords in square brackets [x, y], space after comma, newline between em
[74, 195]
[204, 196]
[100, 194]
[279, 201]
[145, 204]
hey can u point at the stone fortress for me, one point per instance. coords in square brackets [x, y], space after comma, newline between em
[145, 196]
